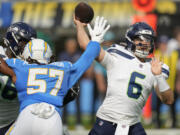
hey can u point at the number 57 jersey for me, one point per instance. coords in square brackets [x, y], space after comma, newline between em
[129, 84]
[49, 83]
[40, 83]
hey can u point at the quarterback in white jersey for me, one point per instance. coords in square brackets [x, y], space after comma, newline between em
[129, 84]
[130, 80]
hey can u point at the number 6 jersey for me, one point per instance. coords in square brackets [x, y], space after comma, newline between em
[129, 84]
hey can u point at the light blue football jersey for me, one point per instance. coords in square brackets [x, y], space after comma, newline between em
[50, 83]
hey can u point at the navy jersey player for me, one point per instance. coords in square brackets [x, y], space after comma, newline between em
[42, 85]
[130, 81]
[17, 35]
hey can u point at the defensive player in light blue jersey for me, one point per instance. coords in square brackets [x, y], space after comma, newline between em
[44, 81]
[42, 85]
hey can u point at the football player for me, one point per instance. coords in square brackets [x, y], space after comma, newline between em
[17, 35]
[42, 85]
[130, 80]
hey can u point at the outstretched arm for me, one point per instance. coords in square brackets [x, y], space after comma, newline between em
[5, 69]
[82, 36]
[163, 90]
[97, 34]
[84, 62]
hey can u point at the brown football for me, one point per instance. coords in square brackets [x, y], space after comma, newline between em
[84, 12]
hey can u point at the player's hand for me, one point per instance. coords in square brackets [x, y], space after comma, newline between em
[77, 22]
[72, 94]
[156, 66]
[99, 30]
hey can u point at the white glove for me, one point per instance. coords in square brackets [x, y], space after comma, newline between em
[43, 110]
[99, 30]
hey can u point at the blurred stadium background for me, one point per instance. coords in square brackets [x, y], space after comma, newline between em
[53, 21]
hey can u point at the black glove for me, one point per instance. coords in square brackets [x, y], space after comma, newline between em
[71, 94]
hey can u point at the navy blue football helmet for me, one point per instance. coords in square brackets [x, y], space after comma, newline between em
[16, 34]
[141, 31]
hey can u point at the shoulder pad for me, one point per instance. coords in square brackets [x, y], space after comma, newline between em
[121, 51]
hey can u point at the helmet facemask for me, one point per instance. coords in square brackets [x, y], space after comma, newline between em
[143, 45]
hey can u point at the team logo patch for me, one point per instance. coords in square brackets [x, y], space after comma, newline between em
[101, 123]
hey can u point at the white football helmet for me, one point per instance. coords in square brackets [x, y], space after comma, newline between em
[39, 50]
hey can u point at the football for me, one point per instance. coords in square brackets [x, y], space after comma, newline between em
[84, 12]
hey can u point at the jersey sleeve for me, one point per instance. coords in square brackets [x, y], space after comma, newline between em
[165, 71]
[84, 62]
[14, 63]
[114, 53]
[108, 60]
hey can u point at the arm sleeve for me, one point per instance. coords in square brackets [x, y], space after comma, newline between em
[84, 62]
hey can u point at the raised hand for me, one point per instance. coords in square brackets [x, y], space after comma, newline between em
[77, 22]
[156, 66]
[99, 30]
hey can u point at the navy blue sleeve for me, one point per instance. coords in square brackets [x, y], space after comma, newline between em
[84, 62]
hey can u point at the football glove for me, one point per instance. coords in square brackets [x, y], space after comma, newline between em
[72, 94]
[99, 30]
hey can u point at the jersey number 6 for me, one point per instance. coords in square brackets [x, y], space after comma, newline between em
[32, 81]
[134, 88]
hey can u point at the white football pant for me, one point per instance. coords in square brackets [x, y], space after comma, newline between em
[37, 119]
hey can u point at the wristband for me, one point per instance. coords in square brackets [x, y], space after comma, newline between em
[161, 83]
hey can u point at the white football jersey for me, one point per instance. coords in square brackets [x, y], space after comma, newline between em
[130, 83]
[9, 106]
